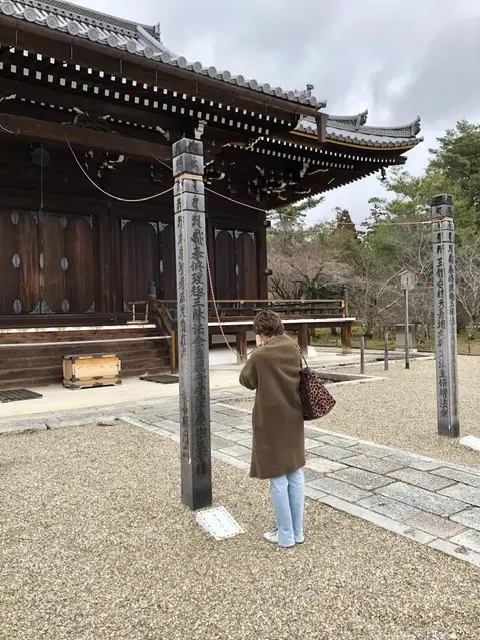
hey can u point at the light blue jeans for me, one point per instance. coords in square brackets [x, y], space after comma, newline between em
[288, 498]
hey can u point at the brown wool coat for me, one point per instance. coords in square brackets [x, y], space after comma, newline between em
[278, 431]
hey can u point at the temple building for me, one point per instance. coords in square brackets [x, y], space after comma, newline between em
[90, 106]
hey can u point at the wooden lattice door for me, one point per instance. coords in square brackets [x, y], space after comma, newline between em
[47, 264]
[236, 265]
[19, 266]
[67, 260]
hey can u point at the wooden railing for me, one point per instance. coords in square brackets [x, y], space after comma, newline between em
[164, 314]
[161, 316]
[146, 307]
[229, 310]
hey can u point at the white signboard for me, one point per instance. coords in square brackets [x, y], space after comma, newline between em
[218, 523]
[408, 281]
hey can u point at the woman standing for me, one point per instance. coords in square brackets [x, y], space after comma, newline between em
[278, 450]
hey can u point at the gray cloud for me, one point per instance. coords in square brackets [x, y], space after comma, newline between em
[446, 83]
[398, 58]
[394, 57]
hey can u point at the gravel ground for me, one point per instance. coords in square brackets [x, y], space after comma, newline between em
[401, 411]
[95, 546]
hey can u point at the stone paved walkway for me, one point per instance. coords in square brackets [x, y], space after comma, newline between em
[429, 501]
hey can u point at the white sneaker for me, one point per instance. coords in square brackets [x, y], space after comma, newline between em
[271, 536]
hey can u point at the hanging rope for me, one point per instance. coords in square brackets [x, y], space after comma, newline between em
[243, 204]
[215, 306]
[156, 195]
[220, 195]
[155, 157]
[6, 130]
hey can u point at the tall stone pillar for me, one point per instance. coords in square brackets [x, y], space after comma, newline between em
[444, 287]
[192, 321]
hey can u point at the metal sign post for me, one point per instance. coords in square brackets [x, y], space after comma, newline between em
[362, 355]
[444, 285]
[408, 284]
[385, 357]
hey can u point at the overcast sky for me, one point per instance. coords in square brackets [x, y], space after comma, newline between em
[398, 58]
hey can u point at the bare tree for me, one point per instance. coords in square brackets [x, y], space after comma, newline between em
[468, 280]
[304, 261]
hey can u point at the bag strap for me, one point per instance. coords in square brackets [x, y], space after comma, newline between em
[302, 359]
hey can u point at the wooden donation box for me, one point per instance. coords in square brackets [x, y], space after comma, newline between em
[93, 370]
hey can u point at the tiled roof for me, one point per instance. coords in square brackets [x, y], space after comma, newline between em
[352, 129]
[131, 37]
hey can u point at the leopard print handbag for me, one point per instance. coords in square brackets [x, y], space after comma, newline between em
[317, 401]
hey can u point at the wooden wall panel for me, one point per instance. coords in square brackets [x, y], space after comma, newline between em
[225, 265]
[105, 264]
[246, 257]
[19, 262]
[80, 250]
[211, 258]
[9, 287]
[52, 276]
[67, 279]
[168, 272]
[140, 259]
[28, 249]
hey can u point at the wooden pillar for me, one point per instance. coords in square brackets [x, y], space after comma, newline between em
[262, 260]
[174, 352]
[346, 335]
[116, 256]
[103, 261]
[241, 346]
[303, 339]
[192, 323]
[346, 329]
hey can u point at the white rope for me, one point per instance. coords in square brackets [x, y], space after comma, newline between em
[220, 195]
[6, 130]
[156, 195]
[156, 157]
[243, 204]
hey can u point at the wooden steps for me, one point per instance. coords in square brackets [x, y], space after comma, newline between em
[34, 359]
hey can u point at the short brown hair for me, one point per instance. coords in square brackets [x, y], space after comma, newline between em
[268, 323]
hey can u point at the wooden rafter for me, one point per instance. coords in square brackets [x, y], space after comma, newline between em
[62, 97]
[175, 123]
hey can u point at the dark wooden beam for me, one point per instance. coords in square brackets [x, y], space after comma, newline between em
[43, 131]
[175, 124]
[60, 46]
[62, 97]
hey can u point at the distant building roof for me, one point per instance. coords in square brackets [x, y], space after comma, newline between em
[352, 130]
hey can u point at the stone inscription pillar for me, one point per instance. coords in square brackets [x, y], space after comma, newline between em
[444, 285]
[192, 321]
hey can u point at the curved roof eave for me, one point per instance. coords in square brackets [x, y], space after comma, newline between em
[141, 40]
[346, 131]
